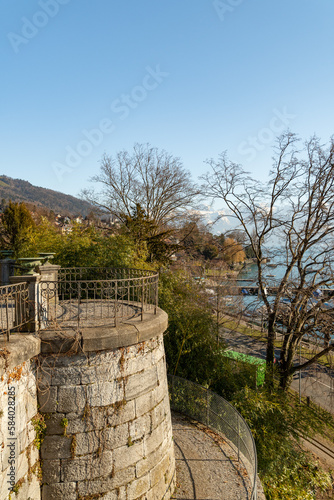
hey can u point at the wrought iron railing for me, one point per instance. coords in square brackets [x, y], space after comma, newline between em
[87, 296]
[215, 412]
[100, 273]
[15, 308]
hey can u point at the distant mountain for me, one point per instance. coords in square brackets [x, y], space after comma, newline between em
[18, 190]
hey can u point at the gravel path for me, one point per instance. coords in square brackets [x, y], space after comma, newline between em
[206, 465]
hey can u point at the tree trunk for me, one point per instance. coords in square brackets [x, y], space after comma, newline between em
[270, 353]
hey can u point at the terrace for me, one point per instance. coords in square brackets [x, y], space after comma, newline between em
[83, 297]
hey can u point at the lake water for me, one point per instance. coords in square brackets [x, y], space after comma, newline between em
[272, 276]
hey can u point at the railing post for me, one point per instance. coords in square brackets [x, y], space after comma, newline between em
[6, 270]
[156, 294]
[33, 280]
[116, 292]
[7, 319]
[207, 409]
[142, 298]
[238, 434]
[49, 276]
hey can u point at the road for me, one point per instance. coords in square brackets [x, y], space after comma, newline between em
[316, 381]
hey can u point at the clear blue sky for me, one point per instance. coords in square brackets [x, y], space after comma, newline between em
[194, 77]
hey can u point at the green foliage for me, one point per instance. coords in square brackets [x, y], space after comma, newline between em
[82, 246]
[191, 348]
[190, 342]
[210, 251]
[286, 471]
[148, 239]
[38, 422]
[16, 227]
[64, 424]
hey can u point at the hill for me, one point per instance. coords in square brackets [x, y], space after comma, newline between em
[18, 190]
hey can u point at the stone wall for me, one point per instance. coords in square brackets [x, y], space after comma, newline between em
[103, 406]
[19, 456]
[107, 413]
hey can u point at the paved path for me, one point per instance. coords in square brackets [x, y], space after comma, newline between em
[206, 465]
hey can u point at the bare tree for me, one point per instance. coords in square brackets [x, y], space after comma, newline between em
[154, 179]
[291, 215]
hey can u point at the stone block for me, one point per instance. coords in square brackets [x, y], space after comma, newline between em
[155, 439]
[144, 466]
[47, 400]
[71, 399]
[87, 442]
[142, 361]
[109, 357]
[161, 369]
[159, 412]
[53, 423]
[144, 403]
[138, 487]
[54, 447]
[79, 360]
[126, 456]
[105, 393]
[140, 427]
[159, 490]
[160, 391]
[67, 375]
[139, 384]
[116, 437]
[28, 490]
[118, 414]
[157, 472]
[102, 372]
[86, 468]
[26, 437]
[51, 471]
[25, 460]
[59, 491]
[100, 486]
[87, 420]
[113, 495]
[159, 352]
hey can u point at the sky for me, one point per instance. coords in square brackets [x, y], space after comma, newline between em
[82, 78]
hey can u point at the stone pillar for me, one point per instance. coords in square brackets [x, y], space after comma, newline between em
[48, 293]
[6, 270]
[48, 272]
[28, 311]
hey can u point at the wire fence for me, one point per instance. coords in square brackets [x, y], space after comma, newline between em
[15, 308]
[215, 412]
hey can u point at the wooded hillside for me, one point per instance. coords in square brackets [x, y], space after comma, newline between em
[19, 190]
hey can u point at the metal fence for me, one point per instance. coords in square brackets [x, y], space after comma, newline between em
[87, 296]
[67, 274]
[215, 412]
[15, 309]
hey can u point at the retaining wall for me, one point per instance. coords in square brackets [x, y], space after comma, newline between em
[104, 399]
[19, 457]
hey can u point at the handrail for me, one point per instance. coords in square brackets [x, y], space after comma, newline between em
[215, 412]
[14, 307]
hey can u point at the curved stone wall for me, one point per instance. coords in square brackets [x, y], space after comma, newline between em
[19, 457]
[106, 406]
